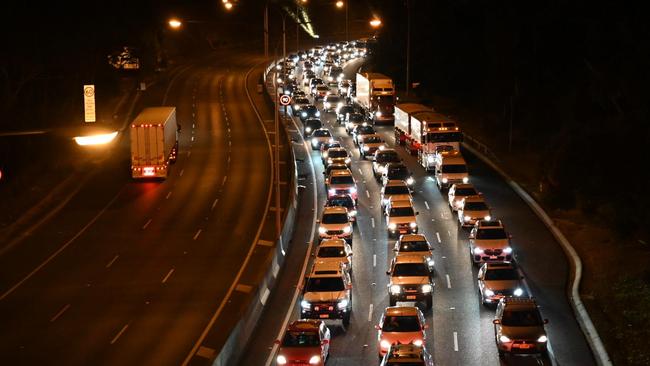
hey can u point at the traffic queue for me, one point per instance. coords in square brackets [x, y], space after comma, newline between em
[326, 297]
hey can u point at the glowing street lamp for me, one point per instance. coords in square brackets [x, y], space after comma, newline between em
[95, 139]
[339, 4]
[227, 5]
[375, 23]
[174, 23]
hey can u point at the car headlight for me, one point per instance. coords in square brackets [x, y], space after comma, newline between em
[409, 181]
[353, 190]
[417, 342]
[322, 230]
[518, 292]
[347, 229]
[296, 107]
[378, 114]
[343, 304]
[430, 262]
[542, 339]
[314, 360]
[326, 105]
[478, 251]
[317, 113]
[445, 180]
[488, 292]
[353, 213]
[507, 250]
[348, 160]
[339, 105]
[430, 159]
[384, 201]
[329, 161]
[504, 339]
[395, 289]
[281, 360]
[332, 191]
[413, 225]
[279, 80]
[392, 226]
[488, 218]
[466, 218]
[384, 344]
[307, 129]
[382, 147]
[465, 179]
[305, 304]
[303, 114]
[314, 141]
[366, 148]
[329, 78]
[427, 288]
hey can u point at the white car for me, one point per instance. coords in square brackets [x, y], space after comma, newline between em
[335, 251]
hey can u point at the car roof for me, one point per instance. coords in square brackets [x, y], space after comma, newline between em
[326, 269]
[370, 135]
[489, 224]
[304, 325]
[394, 164]
[395, 182]
[463, 185]
[334, 210]
[412, 237]
[498, 265]
[338, 149]
[401, 203]
[519, 302]
[332, 243]
[401, 311]
[409, 259]
[474, 198]
[341, 172]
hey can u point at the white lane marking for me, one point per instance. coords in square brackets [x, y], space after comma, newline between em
[146, 224]
[372, 221]
[370, 313]
[214, 204]
[456, 341]
[225, 178]
[438, 237]
[448, 281]
[168, 275]
[181, 173]
[118, 335]
[360, 171]
[197, 234]
[367, 194]
[168, 195]
[427, 204]
[374, 260]
[57, 315]
[112, 261]
[449, 232]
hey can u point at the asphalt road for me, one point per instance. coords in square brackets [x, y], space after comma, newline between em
[461, 330]
[129, 273]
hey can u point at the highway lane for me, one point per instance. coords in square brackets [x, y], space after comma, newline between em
[461, 331]
[140, 282]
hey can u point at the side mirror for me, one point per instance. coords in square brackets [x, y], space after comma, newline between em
[388, 273]
[277, 341]
[377, 327]
[325, 341]
[509, 236]
[545, 321]
[496, 321]
[417, 213]
[318, 221]
[350, 287]
[426, 326]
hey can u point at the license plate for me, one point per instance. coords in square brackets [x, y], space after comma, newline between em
[324, 315]
[410, 297]
[402, 231]
[493, 257]
[525, 346]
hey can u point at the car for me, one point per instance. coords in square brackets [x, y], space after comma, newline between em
[410, 280]
[313, 82]
[310, 125]
[415, 244]
[332, 167]
[344, 85]
[353, 120]
[335, 251]
[407, 355]
[400, 325]
[498, 280]
[299, 103]
[306, 76]
[342, 113]
[327, 293]
[337, 155]
[472, 209]
[341, 182]
[449, 168]
[400, 218]
[396, 189]
[344, 200]
[368, 144]
[326, 146]
[320, 91]
[332, 103]
[304, 342]
[519, 327]
[381, 158]
[489, 242]
[335, 223]
[335, 74]
[298, 94]
[360, 130]
[397, 171]
[319, 137]
[334, 88]
[309, 111]
[457, 192]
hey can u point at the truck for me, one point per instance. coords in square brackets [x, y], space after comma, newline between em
[450, 168]
[154, 142]
[424, 132]
[375, 93]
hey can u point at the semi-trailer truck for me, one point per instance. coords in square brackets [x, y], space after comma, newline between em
[154, 142]
[376, 95]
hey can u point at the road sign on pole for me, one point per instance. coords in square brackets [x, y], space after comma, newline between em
[89, 103]
[285, 100]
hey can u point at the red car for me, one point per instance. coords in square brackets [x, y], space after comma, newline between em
[306, 342]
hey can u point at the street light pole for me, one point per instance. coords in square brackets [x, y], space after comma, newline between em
[266, 30]
[408, 46]
[347, 38]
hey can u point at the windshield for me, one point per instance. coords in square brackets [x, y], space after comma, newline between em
[355, 118]
[299, 339]
[414, 246]
[333, 99]
[345, 202]
[324, 284]
[398, 171]
[410, 269]
[372, 140]
[491, 234]
[336, 218]
[401, 324]
[365, 130]
[454, 168]
[466, 192]
[396, 190]
[342, 179]
[402, 211]
[505, 274]
[313, 123]
[301, 101]
[337, 154]
[321, 133]
[331, 252]
[387, 157]
[521, 318]
[444, 137]
[475, 206]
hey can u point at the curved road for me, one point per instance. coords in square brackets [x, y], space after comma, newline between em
[129, 273]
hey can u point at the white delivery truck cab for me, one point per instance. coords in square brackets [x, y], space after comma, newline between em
[450, 168]
[154, 142]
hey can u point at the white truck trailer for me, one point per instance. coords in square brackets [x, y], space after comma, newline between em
[154, 142]
[376, 95]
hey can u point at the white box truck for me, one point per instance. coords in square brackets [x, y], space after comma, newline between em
[154, 142]
[403, 114]
[376, 95]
